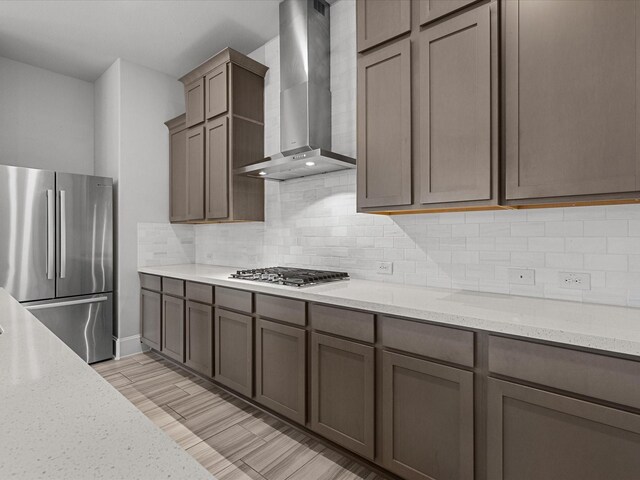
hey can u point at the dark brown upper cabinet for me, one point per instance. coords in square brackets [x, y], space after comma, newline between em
[216, 91]
[533, 434]
[194, 101]
[571, 100]
[178, 170]
[381, 20]
[431, 10]
[427, 419]
[194, 174]
[457, 159]
[384, 126]
[225, 112]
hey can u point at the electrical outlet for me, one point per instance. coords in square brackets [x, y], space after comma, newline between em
[576, 281]
[385, 268]
[522, 276]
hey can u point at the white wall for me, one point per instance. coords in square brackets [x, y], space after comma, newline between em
[132, 104]
[46, 119]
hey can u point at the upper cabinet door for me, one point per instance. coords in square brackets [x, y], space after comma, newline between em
[194, 100]
[381, 20]
[217, 169]
[572, 87]
[195, 173]
[384, 127]
[455, 109]
[179, 193]
[431, 10]
[216, 91]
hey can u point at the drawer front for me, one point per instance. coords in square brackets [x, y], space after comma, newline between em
[173, 286]
[200, 292]
[233, 299]
[150, 282]
[283, 309]
[598, 376]
[346, 323]
[442, 343]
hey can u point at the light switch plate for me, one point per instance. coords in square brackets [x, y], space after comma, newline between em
[522, 276]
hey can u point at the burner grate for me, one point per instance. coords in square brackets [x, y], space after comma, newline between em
[294, 277]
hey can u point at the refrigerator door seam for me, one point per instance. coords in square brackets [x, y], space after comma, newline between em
[66, 304]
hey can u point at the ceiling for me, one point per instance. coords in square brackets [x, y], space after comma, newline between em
[83, 38]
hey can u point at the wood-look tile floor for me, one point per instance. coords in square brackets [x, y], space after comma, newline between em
[233, 440]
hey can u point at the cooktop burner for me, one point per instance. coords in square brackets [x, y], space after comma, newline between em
[293, 277]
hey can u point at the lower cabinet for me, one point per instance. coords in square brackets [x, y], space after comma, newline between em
[427, 419]
[199, 337]
[150, 318]
[281, 367]
[233, 348]
[342, 392]
[173, 327]
[535, 434]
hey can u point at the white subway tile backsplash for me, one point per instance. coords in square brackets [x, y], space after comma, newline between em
[313, 222]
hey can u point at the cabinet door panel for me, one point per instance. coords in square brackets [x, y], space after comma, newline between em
[455, 109]
[234, 350]
[431, 10]
[534, 434]
[199, 338]
[384, 127]
[381, 20]
[195, 173]
[194, 100]
[150, 318]
[427, 419]
[173, 327]
[217, 179]
[216, 91]
[572, 121]
[281, 353]
[179, 193]
[342, 393]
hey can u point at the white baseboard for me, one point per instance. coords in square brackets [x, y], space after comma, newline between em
[129, 346]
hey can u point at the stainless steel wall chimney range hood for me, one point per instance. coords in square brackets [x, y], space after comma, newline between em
[305, 97]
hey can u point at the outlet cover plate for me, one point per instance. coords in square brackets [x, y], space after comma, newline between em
[385, 268]
[522, 276]
[575, 280]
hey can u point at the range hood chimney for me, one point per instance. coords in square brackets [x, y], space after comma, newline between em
[305, 97]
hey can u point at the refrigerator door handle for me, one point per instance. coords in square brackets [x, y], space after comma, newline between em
[67, 304]
[63, 233]
[50, 234]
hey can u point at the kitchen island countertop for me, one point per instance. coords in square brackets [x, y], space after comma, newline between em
[59, 419]
[602, 327]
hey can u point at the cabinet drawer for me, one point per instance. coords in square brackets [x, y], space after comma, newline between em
[442, 343]
[346, 323]
[283, 309]
[598, 376]
[150, 282]
[200, 292]
[173, 286]
[233, 299]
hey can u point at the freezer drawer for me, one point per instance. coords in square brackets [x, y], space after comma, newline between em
[84, 323]
[85, 234]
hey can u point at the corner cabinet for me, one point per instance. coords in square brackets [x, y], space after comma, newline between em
[150, 318]
[572, 113]
[427, 109]
[224, 98]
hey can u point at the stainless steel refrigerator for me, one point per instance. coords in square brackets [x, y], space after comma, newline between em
[56, 253]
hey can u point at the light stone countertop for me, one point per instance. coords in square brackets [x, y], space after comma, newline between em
[603, 327]
[59, 419]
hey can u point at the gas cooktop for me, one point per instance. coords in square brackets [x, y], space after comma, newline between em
[293, 277]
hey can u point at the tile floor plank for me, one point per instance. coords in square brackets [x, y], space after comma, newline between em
[233, 440]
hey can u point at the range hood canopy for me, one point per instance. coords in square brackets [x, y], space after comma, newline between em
[305, 97]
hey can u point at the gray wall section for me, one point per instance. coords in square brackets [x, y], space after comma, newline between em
[46, 119]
